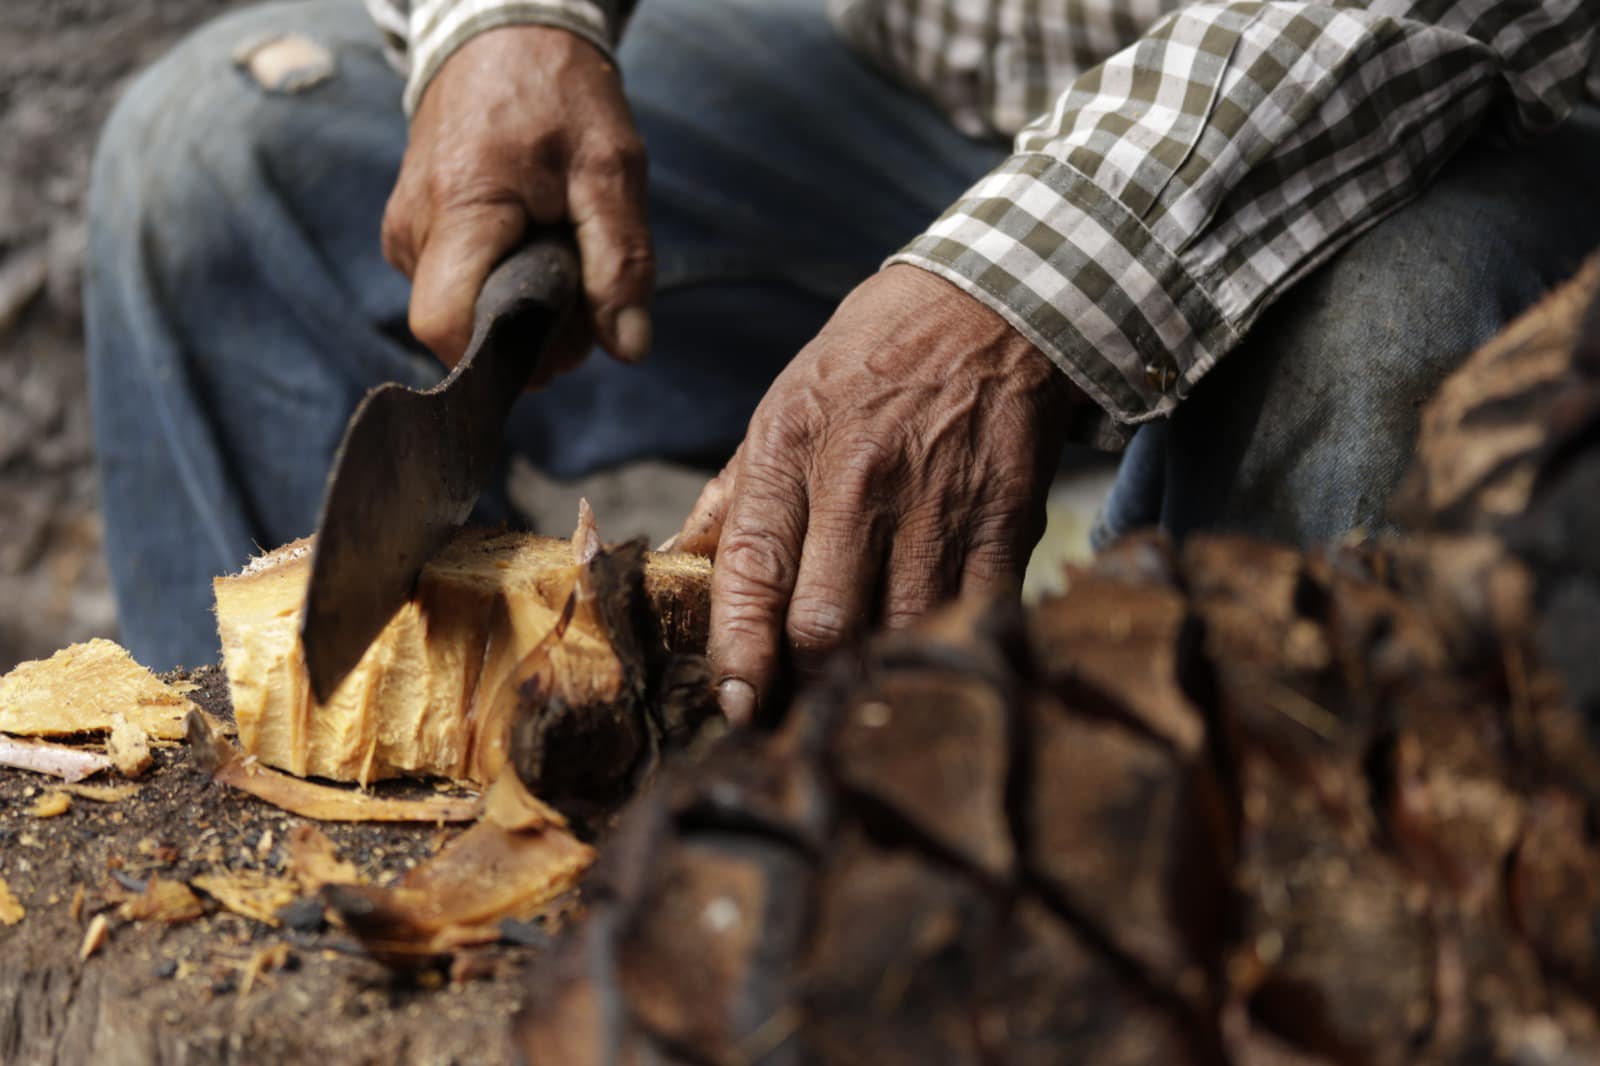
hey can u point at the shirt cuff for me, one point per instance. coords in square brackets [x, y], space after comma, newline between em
[442, 26]
[1067, 265]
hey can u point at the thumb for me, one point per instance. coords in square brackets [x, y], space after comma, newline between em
[607, 203]
[703, 528]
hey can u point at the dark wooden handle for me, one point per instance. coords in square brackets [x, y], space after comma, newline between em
[520, 310]
[541, 276]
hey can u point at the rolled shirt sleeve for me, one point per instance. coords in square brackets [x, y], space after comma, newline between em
[1171, 193]
[424, 33]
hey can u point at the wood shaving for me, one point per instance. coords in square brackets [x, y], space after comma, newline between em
[511, 806]
[100, 793]
[94, 937]
[586, 537]
[314, 862]
[249, 893]
[128, 748]
[163, 901]
[11, 911]
[51, 804]
[56, 760]
[274, 957]
[458, 897]
[321, 802]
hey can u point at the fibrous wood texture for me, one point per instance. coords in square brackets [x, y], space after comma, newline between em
[496, 616]
[1224, 802]
[85, 689]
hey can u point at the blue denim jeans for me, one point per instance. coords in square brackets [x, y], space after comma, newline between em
[238, 305]
[1301, 434]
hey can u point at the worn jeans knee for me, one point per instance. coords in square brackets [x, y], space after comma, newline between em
[1303, 431]
[235, 300]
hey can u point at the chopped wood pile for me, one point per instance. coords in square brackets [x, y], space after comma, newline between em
[1222, 802]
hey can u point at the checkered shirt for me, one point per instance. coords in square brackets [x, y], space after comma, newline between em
[1176, 166]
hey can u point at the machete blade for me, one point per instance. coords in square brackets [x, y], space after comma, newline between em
[412, 463]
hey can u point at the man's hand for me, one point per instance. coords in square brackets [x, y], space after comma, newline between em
[901, 459]
[522, 125]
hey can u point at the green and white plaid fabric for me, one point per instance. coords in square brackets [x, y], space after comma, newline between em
[1169, 194]
[1176, 166]
[422, 34]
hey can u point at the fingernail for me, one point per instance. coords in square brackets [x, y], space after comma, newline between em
[633, 334]
[738, 700]
[670, 544]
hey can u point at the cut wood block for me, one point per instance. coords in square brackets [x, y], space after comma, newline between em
[82, 688]
[498, 620]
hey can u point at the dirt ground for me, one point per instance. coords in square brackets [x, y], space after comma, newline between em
[222, 987]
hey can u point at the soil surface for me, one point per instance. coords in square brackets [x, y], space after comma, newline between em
[157, 993]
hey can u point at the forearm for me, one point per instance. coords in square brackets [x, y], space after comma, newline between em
[1174, 192]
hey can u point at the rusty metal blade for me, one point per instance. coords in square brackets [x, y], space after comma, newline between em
[412, 463]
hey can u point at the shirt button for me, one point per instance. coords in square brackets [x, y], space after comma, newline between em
[1161, 376]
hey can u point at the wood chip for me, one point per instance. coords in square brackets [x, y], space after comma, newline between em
[51, 804]
[100, 793]
[459, 896]
[69, 764]
[94, 937]
[314, 862]
[321, 802]
[250, 893]
[163, 901]
[11, 911]
[511, 806]
[80, 688]
[128, 747]
[273, 957]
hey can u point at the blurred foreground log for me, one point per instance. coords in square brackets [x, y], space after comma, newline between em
[1220, 803]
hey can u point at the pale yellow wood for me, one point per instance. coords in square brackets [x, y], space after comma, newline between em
[80, 689]
[435, 692]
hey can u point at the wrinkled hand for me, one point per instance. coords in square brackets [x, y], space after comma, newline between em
[522, 125]
[901, 459]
